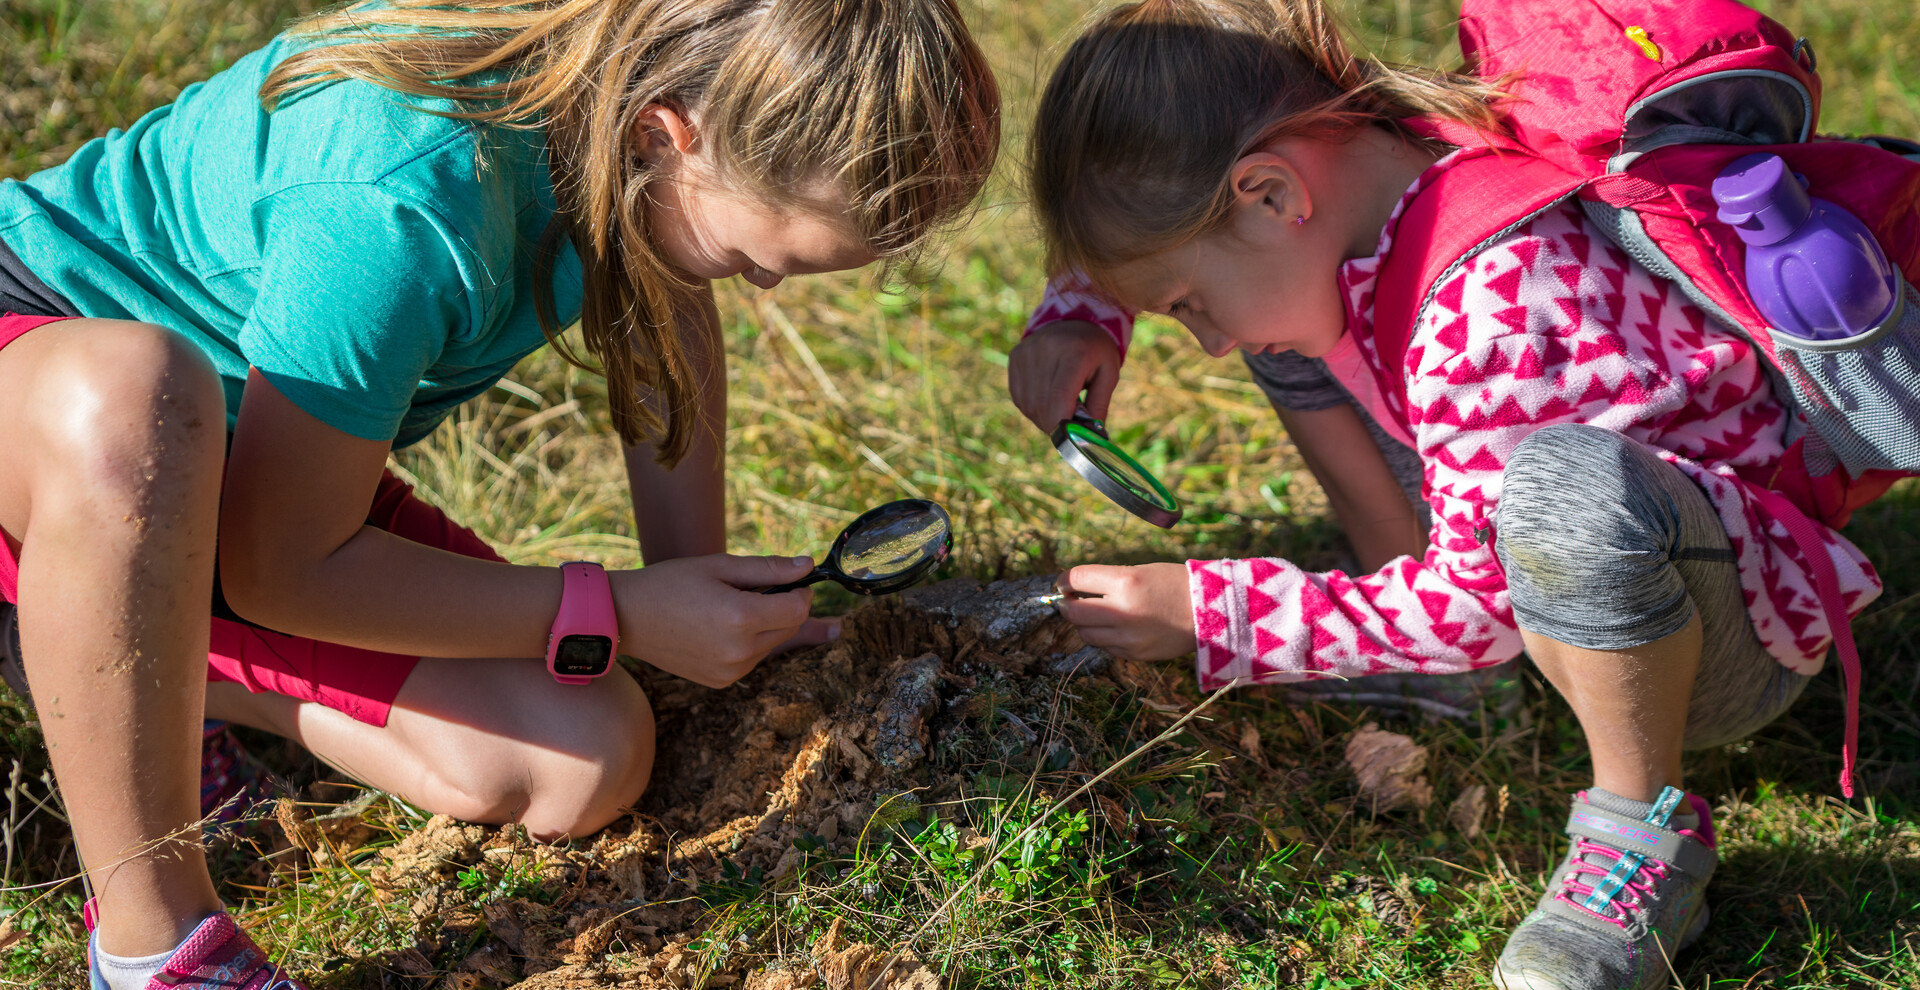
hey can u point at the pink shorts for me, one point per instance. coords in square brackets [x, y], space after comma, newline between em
[360, 683]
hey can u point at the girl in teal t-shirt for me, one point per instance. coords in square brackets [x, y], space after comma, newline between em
[220, 322]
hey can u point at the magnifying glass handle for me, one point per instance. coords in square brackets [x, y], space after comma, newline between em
[1081, 415]
[819, 574]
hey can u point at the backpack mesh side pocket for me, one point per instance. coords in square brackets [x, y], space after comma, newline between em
[1862, 394]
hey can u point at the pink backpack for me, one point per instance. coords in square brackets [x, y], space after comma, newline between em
[1635, 107]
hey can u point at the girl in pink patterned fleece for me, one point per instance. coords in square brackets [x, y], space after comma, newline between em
[1592, 445]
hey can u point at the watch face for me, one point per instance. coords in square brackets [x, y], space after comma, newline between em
[582, 656]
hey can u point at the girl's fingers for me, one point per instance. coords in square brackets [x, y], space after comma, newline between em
[1100, 389]
[748, 573]
[781, 615]
[1103, 637]
[1094, 579]
[1017, 388]
[807, 632]
[1089, 612]
[1122, 643]
[1069, 379]
[812, 632]
[764, 645]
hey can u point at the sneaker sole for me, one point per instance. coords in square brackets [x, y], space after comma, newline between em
[1520, 981]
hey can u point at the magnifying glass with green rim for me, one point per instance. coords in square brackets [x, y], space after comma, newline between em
[1084, 443]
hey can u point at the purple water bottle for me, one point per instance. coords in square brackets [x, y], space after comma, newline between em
[1813, 268]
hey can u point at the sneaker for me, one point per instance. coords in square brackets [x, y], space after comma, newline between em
[10, 669]
[217, 956]
[232, 782]
[1629, 895]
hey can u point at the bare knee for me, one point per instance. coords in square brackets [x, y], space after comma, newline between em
[128, 411]
[580, 792]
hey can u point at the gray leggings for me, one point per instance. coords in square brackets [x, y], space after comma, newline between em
[1607, 547]
[1304, 384]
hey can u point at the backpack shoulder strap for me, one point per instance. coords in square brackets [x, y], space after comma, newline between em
[1482, 196]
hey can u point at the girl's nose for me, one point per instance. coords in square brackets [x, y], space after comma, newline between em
[1213, 341]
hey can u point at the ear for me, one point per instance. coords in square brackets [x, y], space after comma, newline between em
[661, 132]
[1267, 185]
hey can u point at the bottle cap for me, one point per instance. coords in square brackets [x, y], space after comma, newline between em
[1761, 199]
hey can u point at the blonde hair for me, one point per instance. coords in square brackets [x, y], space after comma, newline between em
[1144, 117]
[890, 100]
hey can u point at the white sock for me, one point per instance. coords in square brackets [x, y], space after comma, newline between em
[123, 973]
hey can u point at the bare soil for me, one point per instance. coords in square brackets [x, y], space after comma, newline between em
[798, 759]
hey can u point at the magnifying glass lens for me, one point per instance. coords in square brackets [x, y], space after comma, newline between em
[893, 546]
[1124, 470]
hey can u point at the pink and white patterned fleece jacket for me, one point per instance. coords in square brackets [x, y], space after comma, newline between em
[1553, 324]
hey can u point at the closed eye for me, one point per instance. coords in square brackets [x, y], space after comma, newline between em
[1176, 307]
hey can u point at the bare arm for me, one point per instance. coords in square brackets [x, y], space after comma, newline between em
[297, 556]
[682, 512]
[1360, 486]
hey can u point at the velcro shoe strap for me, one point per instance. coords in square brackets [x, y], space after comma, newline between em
[211, 945]
[1651, 841]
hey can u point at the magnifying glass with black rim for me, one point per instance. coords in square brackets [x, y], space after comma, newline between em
[1083, 442]
[887, 549]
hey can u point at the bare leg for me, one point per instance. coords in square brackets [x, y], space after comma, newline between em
[111, 439]
[483, 740]
[1632, 704]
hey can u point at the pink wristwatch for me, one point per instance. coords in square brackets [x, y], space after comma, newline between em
[586, 632]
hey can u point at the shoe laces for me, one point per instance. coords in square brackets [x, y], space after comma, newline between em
[1622, 881]
[1623, 901]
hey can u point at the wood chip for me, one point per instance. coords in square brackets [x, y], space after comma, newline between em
[1391, 769]
[1468, 810]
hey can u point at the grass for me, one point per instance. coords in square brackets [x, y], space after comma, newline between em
[1231, 853]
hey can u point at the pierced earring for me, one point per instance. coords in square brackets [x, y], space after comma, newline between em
[1297, 221]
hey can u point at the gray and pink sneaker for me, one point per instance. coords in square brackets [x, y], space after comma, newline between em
[217, 956]
[1629, 895]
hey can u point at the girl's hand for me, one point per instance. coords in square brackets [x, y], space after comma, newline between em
[813, 632]
[1143, 612]
[1047, 372]
[704, 619]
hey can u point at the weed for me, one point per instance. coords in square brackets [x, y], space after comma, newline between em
[504, 883]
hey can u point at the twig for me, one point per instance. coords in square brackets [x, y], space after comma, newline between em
[13, 817]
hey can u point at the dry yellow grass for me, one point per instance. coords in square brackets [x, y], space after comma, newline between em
[845, 395]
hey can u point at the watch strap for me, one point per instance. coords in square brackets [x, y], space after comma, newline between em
[586, 608]
[586, 591]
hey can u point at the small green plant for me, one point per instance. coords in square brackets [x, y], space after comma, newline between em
[38, 948]
[734, 887]
[505, 883]
[1052, 860]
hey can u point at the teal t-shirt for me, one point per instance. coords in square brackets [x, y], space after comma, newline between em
[374, 261]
